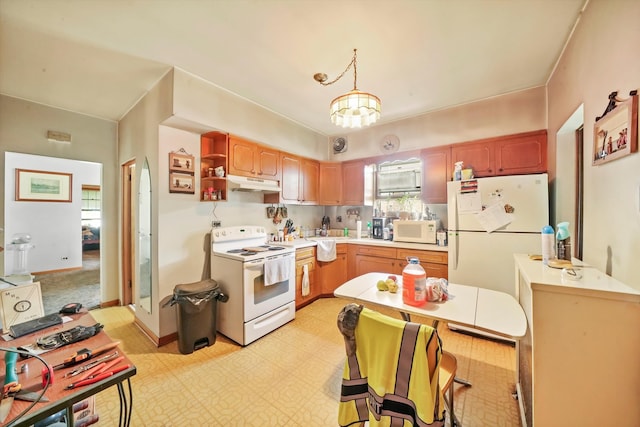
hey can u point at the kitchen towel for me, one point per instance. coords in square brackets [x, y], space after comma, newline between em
[305, 280]
[276, 270]
[326, 250]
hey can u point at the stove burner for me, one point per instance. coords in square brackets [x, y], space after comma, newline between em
[276, 248]
[235, 251]
[247, 253]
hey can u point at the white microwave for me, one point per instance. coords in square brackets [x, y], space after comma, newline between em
[423, 231]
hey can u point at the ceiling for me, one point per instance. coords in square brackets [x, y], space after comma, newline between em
[99, 57]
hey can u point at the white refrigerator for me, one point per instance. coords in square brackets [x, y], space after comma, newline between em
[490, 219]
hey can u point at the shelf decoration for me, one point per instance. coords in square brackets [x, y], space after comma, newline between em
[615, 132]
[181, 172]
[43, 186]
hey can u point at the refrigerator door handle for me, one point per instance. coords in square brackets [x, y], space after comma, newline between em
[453, 249]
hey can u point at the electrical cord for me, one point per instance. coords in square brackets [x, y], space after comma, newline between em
[44, 389]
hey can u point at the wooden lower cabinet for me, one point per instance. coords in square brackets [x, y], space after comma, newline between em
[306, 256]
[368, 259]
[332, 274]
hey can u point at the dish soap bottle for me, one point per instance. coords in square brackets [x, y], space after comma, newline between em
[414, 283]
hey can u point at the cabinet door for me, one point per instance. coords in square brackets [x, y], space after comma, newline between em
[479, 156]
[268, 163]
[369, 264]
[314, 290]
[310, 175]
[290, 178]
[330, 183]
[353, 183]
[242, 157]
[436, 171]
[526, 153]
[332, 274]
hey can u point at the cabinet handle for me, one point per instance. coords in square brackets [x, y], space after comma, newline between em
[500, 169]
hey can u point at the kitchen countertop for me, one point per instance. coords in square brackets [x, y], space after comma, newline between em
[312, 241]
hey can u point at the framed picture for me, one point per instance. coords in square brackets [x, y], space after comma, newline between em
[615, 134]
[181, 162]
[43, 186]
[181, 183]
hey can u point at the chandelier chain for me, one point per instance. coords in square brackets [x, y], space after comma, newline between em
[355, 72]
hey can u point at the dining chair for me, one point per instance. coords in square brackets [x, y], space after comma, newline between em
[396, 372]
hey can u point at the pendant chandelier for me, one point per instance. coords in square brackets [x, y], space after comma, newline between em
[354, 109]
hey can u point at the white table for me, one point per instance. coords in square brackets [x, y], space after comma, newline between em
[491, 311]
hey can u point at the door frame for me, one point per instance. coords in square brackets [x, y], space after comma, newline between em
[128, 178]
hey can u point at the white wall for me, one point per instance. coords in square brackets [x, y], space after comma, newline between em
[602, 57]
[23, 129]
[54, 227]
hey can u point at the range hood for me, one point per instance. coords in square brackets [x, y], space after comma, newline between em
[243, 183]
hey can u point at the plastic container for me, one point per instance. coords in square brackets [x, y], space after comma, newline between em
[548, 244]
[457, 171]
[414, 283]
[196, 314]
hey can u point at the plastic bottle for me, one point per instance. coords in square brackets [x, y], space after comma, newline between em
[548, 244]
[368, 229]
[457, 171]
[414, 283]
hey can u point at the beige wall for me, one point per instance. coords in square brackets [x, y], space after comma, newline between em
[502, 115]
[23, 129]
[602, 57]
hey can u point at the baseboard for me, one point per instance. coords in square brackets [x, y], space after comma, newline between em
[112, 303]
[158, 341]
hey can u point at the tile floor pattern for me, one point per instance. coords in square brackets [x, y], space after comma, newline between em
[290, 377]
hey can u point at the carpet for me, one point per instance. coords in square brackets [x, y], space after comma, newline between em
[81, 286]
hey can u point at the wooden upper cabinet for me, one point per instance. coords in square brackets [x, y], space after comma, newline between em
[436, 172]
[515, 154]
[309, 179]
[353, 183]
[268, 163]
[330, 184]
[522, 153]
[290, 185]
[479, 156]
[250, 159]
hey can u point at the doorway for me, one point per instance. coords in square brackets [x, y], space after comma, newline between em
[128, 241]
[568, 194]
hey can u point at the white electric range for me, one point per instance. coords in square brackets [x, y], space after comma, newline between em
[239, 258]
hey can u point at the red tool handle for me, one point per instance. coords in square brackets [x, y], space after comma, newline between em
[98, 377]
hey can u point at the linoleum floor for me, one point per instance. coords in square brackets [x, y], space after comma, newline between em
[290, 377]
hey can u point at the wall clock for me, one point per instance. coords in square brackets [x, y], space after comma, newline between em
[390, 144]
[20, 304]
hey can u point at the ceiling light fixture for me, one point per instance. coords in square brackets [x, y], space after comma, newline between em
[354, 109]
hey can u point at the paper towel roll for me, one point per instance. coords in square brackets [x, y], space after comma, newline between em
[359, 229]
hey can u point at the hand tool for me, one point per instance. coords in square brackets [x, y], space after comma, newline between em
[85, 354]
[100, 368]
[11, 384]
[88, 366]
[97, 377]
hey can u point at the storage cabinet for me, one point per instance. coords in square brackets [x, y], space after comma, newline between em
[353, 183]
[332, 274]
[516, 154]
[310, 175]
[299, 184]
[213, 153]
[436, 171]
[306, 256]
[250, 159]
[521, 154]
[435, 263]
[578, 363]
[368, 259]
[330, 184]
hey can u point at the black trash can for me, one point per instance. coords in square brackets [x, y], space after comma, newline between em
[196, 314]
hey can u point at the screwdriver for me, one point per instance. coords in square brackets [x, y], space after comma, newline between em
[85, 354]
